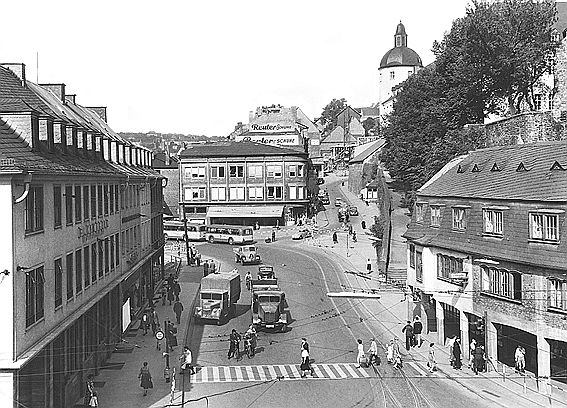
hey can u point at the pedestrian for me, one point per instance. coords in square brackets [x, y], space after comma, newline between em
[363, 224]
[431, 363]
[212, 267]
[520, 359]
[335, 238]
[186, 361]
[176, 289]
[93, 401]
[451, 343]
[390, 352]
[360, 358]
[154, 320]
[304, 344]
[398, 362]
[257, 225]
[408, 330]
[177, 309]
[163, 294]
[273, 236]
[234, 347]
[368, 265]
[417, 329]
[248, 279]
[479, 359]
[145, 378]
[170, 280]
[373, 352]
[472, 348]
[198, 258]
[171, 337]
[305, 363]
[145, 322]
[396, 347]
[89, 389]
[170, 295]
[350, 229]
[206, 268]
[457, 354]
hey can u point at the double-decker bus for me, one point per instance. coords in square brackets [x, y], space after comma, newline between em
[176, 230]
[233, 234]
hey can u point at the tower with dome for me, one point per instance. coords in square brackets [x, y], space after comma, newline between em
[397, 65]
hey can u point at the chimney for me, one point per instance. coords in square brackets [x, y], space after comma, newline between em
[60, 135]
[18, 69]
[26, 124]
[57, 89]
[100, 111]
[46, 131]
[70, 98]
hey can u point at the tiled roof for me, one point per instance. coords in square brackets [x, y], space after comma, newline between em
[519, 172]
[369, 111]
[238, 149]
[372, 148]
[338, 136]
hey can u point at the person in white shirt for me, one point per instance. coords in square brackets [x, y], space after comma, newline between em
[373, 352]
[360, 357]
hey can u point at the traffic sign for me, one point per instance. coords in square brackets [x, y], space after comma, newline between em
[159, 335]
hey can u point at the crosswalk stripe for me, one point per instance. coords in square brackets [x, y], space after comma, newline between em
[293, 371]
[255, 373]
[350, 370]
[216, 376]
[272, 372]
[362, 372]
[337, 367]
[239, 374]
[317, 371]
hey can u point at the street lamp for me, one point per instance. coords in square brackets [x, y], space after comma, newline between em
[186, 237]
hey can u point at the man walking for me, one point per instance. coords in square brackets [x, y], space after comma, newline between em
[373, 352]
[176, 289]
[417, 329]
[408, 330]
[186, 361]
[177, 309]
[206, 268]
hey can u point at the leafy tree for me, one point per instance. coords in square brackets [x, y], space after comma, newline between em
[370, 125]
[330, 112]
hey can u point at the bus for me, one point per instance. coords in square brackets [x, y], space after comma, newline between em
[176, 230]
[233, 234]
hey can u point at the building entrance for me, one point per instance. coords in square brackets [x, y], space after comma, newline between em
[451, 321]
[508, 339]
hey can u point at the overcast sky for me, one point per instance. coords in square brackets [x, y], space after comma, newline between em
[199, 67]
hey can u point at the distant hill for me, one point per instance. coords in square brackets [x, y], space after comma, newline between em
[174, 141]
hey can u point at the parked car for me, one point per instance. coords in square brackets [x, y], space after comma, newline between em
[352, 210]
[304, 233]
[338, 202]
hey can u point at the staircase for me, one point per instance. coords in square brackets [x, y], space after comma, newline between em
[397, 275]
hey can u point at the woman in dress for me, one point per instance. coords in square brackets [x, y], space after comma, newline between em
[145, 378]
[304, 362]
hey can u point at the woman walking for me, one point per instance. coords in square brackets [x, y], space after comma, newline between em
[360, 356]
[457, 354]
[431, 363]
[305, 365]
[145, 378]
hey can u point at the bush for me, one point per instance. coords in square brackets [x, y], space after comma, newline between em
[377, 229]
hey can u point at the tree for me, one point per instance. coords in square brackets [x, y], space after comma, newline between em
[370, 126]
[330, 112]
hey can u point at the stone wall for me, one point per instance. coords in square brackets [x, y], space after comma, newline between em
[528, 127]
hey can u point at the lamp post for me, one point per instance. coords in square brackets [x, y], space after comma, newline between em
[186, 238]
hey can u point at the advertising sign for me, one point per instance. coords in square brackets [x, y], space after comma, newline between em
[289, 140]
[271, 127]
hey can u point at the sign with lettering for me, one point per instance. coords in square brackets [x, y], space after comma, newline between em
[91, 229]
[271, 127]
[287, 140]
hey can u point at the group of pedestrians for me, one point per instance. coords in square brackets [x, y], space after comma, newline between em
[250, 342]
[209, 267]
[413, 333]
[393, 355]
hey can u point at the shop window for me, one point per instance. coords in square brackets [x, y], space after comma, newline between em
[34, 210]
[58, 281]
[557, 293]
[57, 207]
[501, 282]
[34, 295]
[544, 227]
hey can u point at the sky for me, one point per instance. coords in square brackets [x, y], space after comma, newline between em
[199, 67]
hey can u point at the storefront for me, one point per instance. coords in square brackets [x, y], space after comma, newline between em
[476, 329]
[451, 321]
[558, 360]
[508, 338]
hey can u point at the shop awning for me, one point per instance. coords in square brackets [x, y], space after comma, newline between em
[272, 211]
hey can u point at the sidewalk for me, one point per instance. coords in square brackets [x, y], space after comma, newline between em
[500, 384]
[117, 383]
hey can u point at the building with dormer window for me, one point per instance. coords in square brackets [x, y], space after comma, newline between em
[487, 253]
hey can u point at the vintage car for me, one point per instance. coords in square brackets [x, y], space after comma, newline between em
[266, 272]
[246, 254]
[338, 202]
[352, 211]
[301, 234]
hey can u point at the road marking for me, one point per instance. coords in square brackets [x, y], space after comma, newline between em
[272, 372]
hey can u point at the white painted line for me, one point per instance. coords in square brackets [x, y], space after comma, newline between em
[273, 374]
[239, 376]
[250, 373]
[350, 369]
[261, 373]
[363, 373]
[216, 376]
[293, 371]
[342, 374]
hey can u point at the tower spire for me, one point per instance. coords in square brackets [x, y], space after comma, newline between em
[400, 38]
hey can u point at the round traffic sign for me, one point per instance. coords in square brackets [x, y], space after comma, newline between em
[159, 335]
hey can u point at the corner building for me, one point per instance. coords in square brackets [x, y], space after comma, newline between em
[241, 183]
[82, 242]
[487, 254]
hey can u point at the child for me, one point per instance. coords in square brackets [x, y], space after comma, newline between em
[94, 400]
[390, 352]
[398, 362]
[431, 363]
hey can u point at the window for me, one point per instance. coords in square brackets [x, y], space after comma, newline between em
[255, 171]
[293, 170]
[116, 197]
[275, 192]
[34, 210]
[446, 265]
[218, 193]
[93, 262]
[106, 256]
[93, 201]
[544, 227]
[237, 193]
[217, 172]
[292, 192]
[111, 255]
[78, 203]
[34, 295]
[111, 199]
[86, 201]
[275, 171]
[69, 205]
[435, 216]
[255, 193]
[100, 258]
[537, 102]
[106, 199]
[69, 269]
[418, 266]
[492, 221]
[56, 206]
[459, 222]
[78, 271]
[392, 75]
[300, 170]
[557, 293]
[117, 239]
[501, 282]
[58, 271]
[99, 200]
[87, 264]
[236, 171]
[194, 193]
[195, 172]
[419, 209]
[412, 255]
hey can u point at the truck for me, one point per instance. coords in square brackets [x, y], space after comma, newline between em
[246, 254]
[218, 296]
[269, 306]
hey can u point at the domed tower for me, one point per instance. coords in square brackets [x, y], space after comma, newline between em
[397, 65]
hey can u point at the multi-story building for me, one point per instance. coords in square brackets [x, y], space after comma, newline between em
[82, 244]
[487, 253]
[243, 183]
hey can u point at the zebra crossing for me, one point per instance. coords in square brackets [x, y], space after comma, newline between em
[339, 371]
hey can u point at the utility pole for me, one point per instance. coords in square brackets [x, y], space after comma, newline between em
[186, 237]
